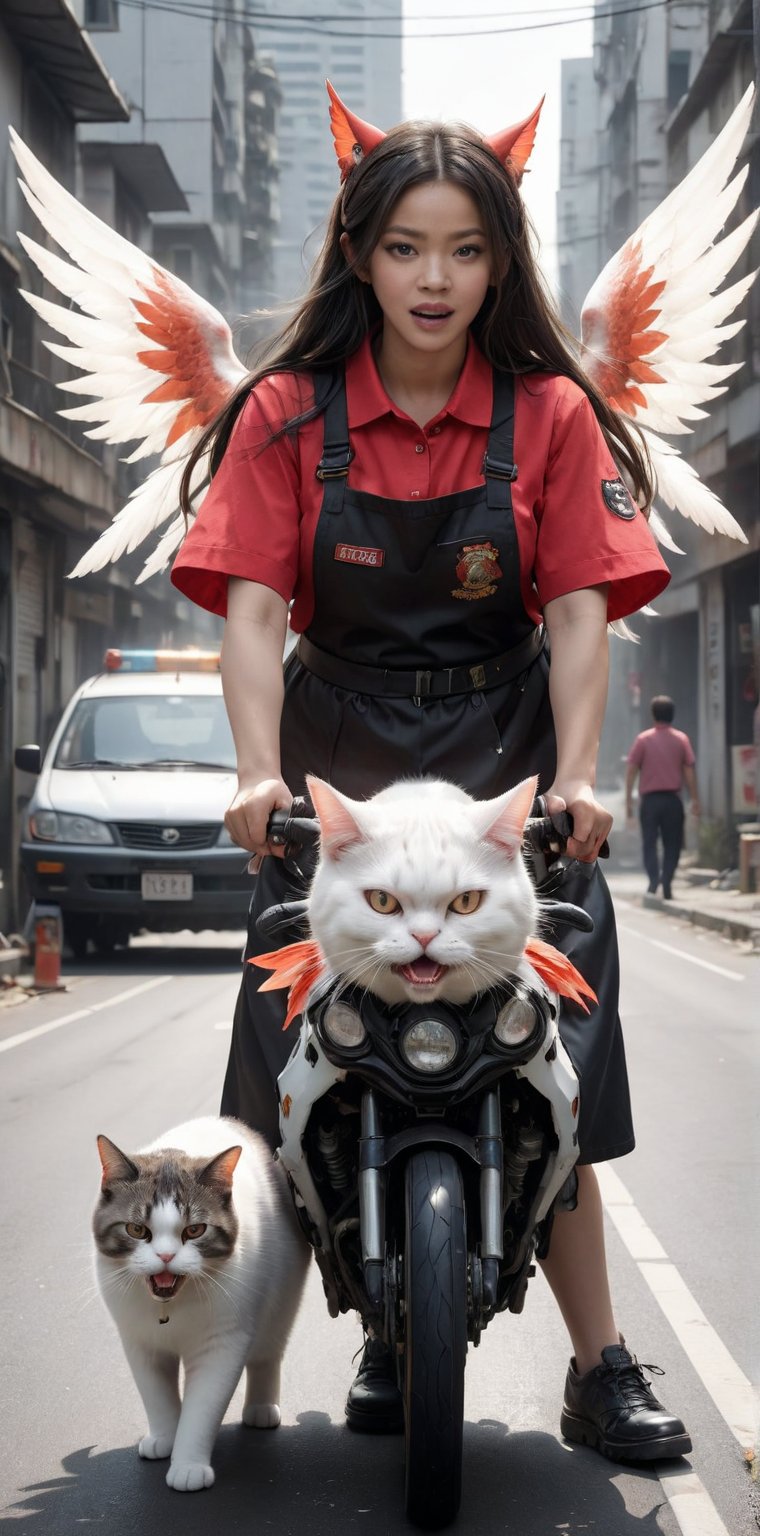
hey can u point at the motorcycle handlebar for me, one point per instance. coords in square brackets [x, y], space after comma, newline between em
[296, 829]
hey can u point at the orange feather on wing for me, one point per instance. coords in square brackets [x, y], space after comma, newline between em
[558, 972]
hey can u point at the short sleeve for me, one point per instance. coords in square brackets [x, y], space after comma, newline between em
[249, 521]
[589, 530]
[688, 751]
[636, 754]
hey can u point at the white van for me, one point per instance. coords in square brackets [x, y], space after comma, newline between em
[124, 830]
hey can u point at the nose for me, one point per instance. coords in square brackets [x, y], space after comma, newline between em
[166, 1258]
[424, 939]
[434, 275]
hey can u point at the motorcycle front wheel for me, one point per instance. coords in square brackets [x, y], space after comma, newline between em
[435, 1344]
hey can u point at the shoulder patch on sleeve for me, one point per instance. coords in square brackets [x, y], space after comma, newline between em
[618, 499]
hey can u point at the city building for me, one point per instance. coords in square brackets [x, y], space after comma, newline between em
[663, 86]
[365, 68]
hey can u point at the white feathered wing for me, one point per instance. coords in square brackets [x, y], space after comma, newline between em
[158, 360]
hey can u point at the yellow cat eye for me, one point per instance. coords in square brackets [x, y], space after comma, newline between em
[197, 1229]
[467, 901]
[382, 901]
[136, 1229]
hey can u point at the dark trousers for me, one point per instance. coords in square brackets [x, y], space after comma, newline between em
[661, 815]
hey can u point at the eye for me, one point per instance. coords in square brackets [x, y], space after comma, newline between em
[196, 1229]
[469, 250]
[382, 901]
[136, 1229]
[400, 248]
[467, 901]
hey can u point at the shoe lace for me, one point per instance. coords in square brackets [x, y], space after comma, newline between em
[629, 1378]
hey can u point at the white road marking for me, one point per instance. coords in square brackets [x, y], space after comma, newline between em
[684, 954]
[691, 1504]
[82, 1013]
[725, 1381]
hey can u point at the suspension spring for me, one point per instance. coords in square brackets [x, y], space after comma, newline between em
[337, 1161]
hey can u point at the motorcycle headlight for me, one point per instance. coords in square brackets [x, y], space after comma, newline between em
[56, 827]
[516, 1022]
[429, 1046]
[343, 1026]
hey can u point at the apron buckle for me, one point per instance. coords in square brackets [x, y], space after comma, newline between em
[423, 685]
[478, 677]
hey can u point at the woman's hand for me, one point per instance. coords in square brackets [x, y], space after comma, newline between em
[246, 820]
[591, 823]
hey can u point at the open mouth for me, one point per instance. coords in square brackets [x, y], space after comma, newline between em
[432, 316]
[422, 972]
[165, 1285]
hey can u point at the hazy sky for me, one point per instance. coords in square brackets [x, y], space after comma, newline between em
[492, 81]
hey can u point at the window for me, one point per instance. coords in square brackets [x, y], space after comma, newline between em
[678, 76]
[101, 15]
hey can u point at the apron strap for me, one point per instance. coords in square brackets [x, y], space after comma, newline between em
[499, 467]
[337, 452]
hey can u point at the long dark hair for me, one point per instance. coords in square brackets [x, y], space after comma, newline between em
[516, 328]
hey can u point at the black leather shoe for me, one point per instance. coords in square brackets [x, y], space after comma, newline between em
[613, 1409]
[373, 1405]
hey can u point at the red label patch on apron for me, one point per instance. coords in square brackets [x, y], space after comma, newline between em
[359, 554]
[478, 570]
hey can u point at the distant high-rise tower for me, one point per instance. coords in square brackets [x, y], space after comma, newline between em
[365, 69]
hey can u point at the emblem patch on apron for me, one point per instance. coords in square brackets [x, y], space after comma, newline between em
[359, 554]
[478, 570]
[618, 499]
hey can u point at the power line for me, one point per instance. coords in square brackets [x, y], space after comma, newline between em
[266, 21]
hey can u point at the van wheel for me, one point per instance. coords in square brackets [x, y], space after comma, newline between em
[76, 934]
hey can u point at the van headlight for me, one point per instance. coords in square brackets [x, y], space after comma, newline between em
[429, 1045]
[517, 1022]
[56, 827]
[343, 1027]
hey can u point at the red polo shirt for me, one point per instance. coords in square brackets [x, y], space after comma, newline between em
[661, 754]
[260, 513]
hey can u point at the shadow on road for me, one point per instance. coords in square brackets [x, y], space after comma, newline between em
[317, 1479]
[151, 953]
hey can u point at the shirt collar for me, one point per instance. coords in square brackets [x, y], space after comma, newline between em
[471, 400]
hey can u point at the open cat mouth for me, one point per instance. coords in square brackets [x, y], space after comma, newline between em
[422, 972]
[165, 1285]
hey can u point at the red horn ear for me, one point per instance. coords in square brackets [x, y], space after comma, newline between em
[353, 138]
[513, 146]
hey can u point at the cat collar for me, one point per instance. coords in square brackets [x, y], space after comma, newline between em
[355, 139]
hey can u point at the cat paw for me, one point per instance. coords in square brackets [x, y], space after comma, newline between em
[189, 1476]
[155, 1447]
[261, 1415]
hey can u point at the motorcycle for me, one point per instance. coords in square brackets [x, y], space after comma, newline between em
[427, 1147]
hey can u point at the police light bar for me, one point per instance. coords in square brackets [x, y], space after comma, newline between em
[161, 661]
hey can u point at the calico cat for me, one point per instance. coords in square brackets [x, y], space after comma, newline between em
[200, 1263]
[421, 892]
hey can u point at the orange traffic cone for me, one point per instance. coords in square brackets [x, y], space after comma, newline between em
[48, 944]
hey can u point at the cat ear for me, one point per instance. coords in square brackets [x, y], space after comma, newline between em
[506, 817]
[221, 1168]
[115, 1163]
[339, 828]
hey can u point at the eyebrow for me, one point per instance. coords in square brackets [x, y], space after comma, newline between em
[419, 234]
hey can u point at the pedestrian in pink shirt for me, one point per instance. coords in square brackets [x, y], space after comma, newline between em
[663, 759]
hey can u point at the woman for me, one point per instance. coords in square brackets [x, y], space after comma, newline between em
[423, 470]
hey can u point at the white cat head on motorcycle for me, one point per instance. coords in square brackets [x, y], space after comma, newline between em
[421, 892]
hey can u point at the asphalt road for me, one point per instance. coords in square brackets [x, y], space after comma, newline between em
[145, 1046]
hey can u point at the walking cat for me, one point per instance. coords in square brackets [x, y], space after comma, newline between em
[422, 892]
[199, 1261]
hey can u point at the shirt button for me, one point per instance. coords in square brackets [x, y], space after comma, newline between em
[435, 431]
[419, 447]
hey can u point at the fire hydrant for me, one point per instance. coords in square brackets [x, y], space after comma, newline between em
[48, 944]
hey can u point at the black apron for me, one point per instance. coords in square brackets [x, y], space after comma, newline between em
[421, 660]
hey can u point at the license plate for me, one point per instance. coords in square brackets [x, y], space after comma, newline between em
[165, 886]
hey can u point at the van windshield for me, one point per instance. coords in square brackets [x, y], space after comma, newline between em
[166, 731]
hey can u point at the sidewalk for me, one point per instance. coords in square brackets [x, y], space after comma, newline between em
[726, 912]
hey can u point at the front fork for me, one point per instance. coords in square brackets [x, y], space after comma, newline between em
[486, 1150]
